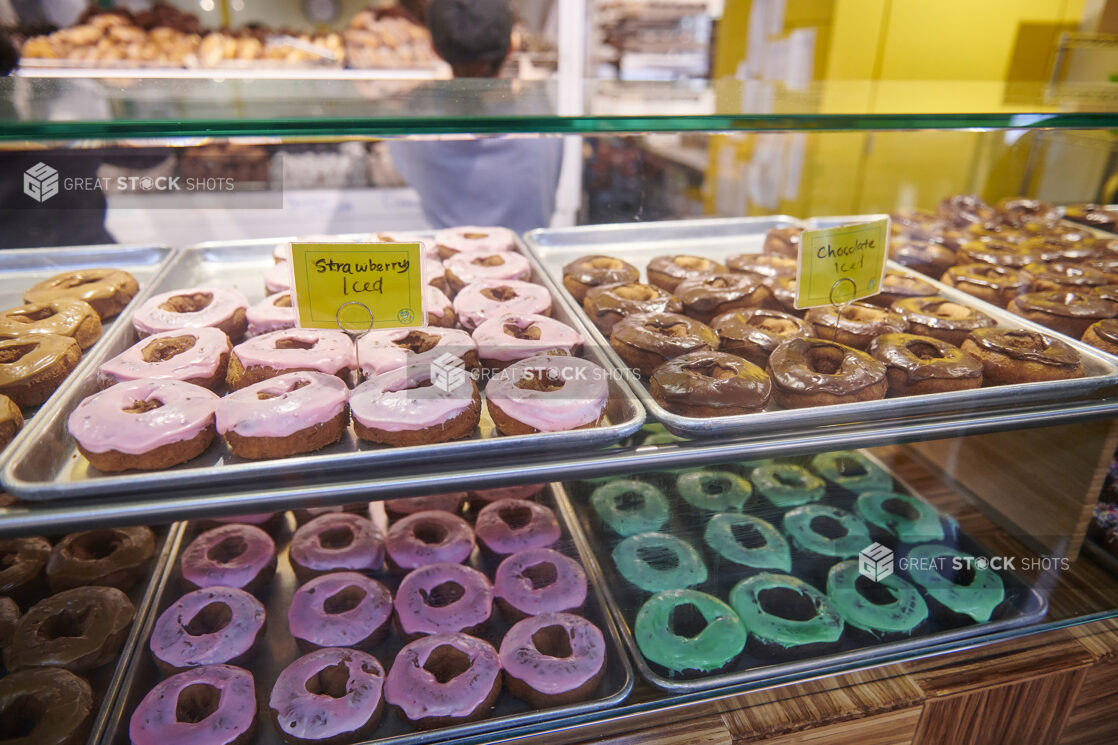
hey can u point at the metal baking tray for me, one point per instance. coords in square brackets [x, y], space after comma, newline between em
[278, 649]
[1027, 605]
[48, 465]
[721, 238]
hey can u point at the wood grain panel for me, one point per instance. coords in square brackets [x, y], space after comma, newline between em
[704, 731]
[1094, 715]
[892, 728]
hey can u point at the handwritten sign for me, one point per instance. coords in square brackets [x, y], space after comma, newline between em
[387, 278]
[840, 265]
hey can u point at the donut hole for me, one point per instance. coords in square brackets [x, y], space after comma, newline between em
[922, 350]
[660, 558]
[553, 641]
[1025, 341]
[475, 236]
[901, 509]
[289, 343]
[690, 263]
[714, 487]
[605, 262]
[446, 663]
[65, 624]
[531, 332]
[720, 283]
[948, 309]
[283, 301]
[849, 468]
[671, 329]
[516, 516]
[711, 369]
[686, 620]
[331, 681]
[191, 303]
[21, 717]
[875, 592]
[442, 594]
[859, 313]
[227, 549]
[791, 479]
[210, 620]
[495, 260]
[636, 292]
[629, 501]
[499, 294]
[828, 527]
[786, 603]
[161, 350]
[336, 538]
[142, 407]
[197, 703]
[290, 388]
[825, 360]
[16, 352]
[541, 575]
[747, 536]
[95, 545]
[964, 575]
[418, 342]
[429, 532]
[544, 380]
[773, 324]
[344, 600]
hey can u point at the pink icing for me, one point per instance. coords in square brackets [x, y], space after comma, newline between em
[151, 319]
[331, 351]
[429, 537]
[379, 353]
[340, 541]
[317, 717]
[474, 308]
[175, 645]
[199, 362]
[494, 342]
[309, 619]
[578, 402]
[423, 608]
[200, 570]
[436, 303]
[397, 401]
[281, 253]
[100, 422]
[433, 271]
[472, 266]
[277, 278]
[451, 502]
[155, 720]
[460, 239]
[522, 659]
[266, 316]
[522, 582]
[419, 694]
[286, 409]
[524, 491]
[513, 525]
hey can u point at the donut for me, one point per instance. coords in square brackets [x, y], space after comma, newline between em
[469, 238]
[943, 319]
[706, 384]
[329, 695]
[32, 367]
[1065, 276]
[404, 407]
[198, 356]
[9, 617]
[1021, 211]
[297, 412]
[1094, 215]
[337, 542]
[538, 580]
[547, 394]
[852, 471]
[60, 317]
[1108, 267]
[510, 338]
[1073, 247]
[144, 424]
[439, 308]
[666, 272]
[767, 265]
[994, 284]
[784, 290]
[291, 350]
[898, 286]
[704, 298]
[608, 304]
[885, 609]
[553, 659]
[963, 209]
[444, 679]
[814, 372]
[587, 272]
[808, 623]
[907, 518]
[385, 350]
[997, 252]
[269, 522]
[753, 334]
[277, 279]
[78, 629]
[783, 242]
[915, 220]
[929, 257]
[818, 531]
[654, 562]
[210, 626]
[107, 291]
[1019, 356]
[273, 313]
[443, 598]
[450, 502]
[435, 273]
[1066, 312]
[235, 555]
[343, 609]
[965, 592]
[644, 341]
[479, 301]
[855, 325]
[193, 308]
[628, 507]
[481, 497]
[214, 704]
[429, 537]
[923, 364]
[495, 265]
[45, 706]
[746, 543]
[714, 491]
[513, 525]
[687, 633]
[787, 485]
[113, 557]
[426, 246]
[1103, 335]
[11, 420]
[21, 566]
[305, 515]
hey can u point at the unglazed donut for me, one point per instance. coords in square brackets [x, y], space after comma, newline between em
[196, 307]
[666, 272]
[213, 704]
[444, 679]
[107, 291]
[510, 338]
[61, 317]
[587, 272]
[815, 372]
[32, 367]
[706, 384]
[443, 598]
[994, 284]
[924, 364]
[856, 325]
[499, 265]
[98, 619]
[112, 557]
[234, 555]
[402, 408]
[941, 318]
[291, 350]
[647, 340]
[385, 350]
[479, 301]
[553, 659]
[210, 626]
[465, 239]
[706, 297]
[513, 525]
[1066, 312]
[334, 543]
[1020, 356]
[329, 695]
[343, 609]
[428, 537]
[547, 394]
[198, 356]
[273, 313]
[608, 304]
[539, 580]
[754, 334]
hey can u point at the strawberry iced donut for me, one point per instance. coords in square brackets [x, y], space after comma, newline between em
[144, 424]
[385, 350]
[548, 394]
[439, 309]
[443, 599]
[343, 609]
[193, 308]
[502, 341]
[273, 313]
[434, 273]
[278, 278]
[402, 408]
[335, 543]
[286, 415]
[235, 555]
[539, 580]
[281, 253]
[210, 626]
[430, 537]
[426, 246]
[512, 525]
[423, 686]
[479, 301]
[214, 704]
[553, 659]
[399, 508]
[451, 241]
[198, 356]
[327, 696]
[291, 350]
[474, 266]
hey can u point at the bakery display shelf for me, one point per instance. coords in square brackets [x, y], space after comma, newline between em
[721, 238]
[277, 649]
[1023, 605]
[35, 68]
[47, 466]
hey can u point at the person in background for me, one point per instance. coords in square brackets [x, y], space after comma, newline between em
[506, 181]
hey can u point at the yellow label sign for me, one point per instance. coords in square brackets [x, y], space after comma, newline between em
[839, 265]
[332, 281]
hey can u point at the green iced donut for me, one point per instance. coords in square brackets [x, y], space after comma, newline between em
[658, 434]
[748, 541]
[630, 507]
[822, 625]
[824, 538]
[694, 647]
[912, 520]
[978, 599]
[852, 471]
[656, 562]
[714, 491]
[787, 485]
[904, 612]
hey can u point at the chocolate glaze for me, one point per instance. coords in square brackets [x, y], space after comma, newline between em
[1020, 211]
[74, 563]
[997, 252]
[1106, 292]
[920, 253]
[682, 266]
[863, 319]
[1066, 274]
[926, 311]
[585, 272]
[1108, 266]
[905, 285]
[1092, 214]
[713, 379]
[611, 299]
[1075, 247]
[765, 265]
[704, 294]
[1067, 304]
[759, 327]
[22, 561]
[783, 241]
[924, 357]
[1107, 329]
[49, 707]
[77, 629]
[995, 277]
[1029, 346]
[666, 334]
[792, 369]
[963, 209]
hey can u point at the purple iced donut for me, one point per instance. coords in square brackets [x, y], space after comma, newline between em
[421, 687]
[511, 525]
[429, 537]
[481, 497]
[539, 580]
[335, 543]
[313, 700]
[443, 598]
[211, 705]
[233, 555]
[344, 609]
[207, 627]
[397, 508]
[553, 659]
[307, 514]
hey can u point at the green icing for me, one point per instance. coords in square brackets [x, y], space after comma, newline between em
[852, 471]
[926, 526]
[721, 538]
[712, 648]
[798, 528]
[657, 434]
[907, 610]
[787, 485]
[656, 562]
[714, 491]
[751, 464]
[824, 627]
[630, 507]
[977, 599]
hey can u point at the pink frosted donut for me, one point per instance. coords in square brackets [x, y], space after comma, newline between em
[426, 246]
[343, 609]
[402, 408]
[281, 253]
[306, 514]
[277, 278]
[512, 525]
[473, 238]
[547, 394]
[291, 350]
[207, 627]
[442, 599]
[193, 308]
[474, 266]
[415, 687]
[481, 497]
[273, 313]
[510, 338]
[266, 521]
[197, 356]
[539, 580]
[384, 350]
[553, 659]
[210, 705]
[337, 542]
[439, 309]
[450, 502]
[314, 701]
[479, 301]
[429, 537]
[235, 555]
[435, 273]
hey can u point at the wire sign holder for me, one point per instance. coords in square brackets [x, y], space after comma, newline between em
[355, 333]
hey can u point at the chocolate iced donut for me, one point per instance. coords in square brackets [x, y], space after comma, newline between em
[233, 555]
[9, 618]
[1020, 356]
[1073, 247]
[113, 557]
[784, 290]
[1095, 215]
[1108, 266]
[963, 209]
[766, 265]
[815, 372]
[706, 297]
[21, 566]
[1063, 275]
[77, 629]
[857, 325]
[1021, 211]
[608, 304]
[782, 242]
[753, 334]
[11, 420]
[328, 696]
[924, 364]
[213, 704]
[898, 286]
[941, 318]
[32, 367]
[106, 290]
[927, 257]
[45, 706]
[61, 317]
[997, 252]
[647, 340]
[1103, 335]
[667, 272]
[588, 272]
[994, 284]
[706, 384]
[205, 627]
[1066, 312]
